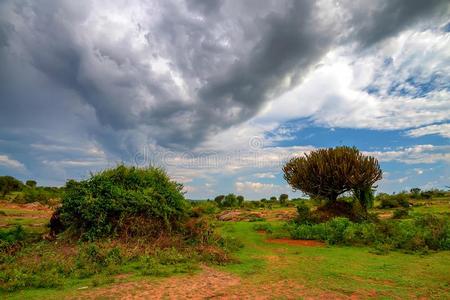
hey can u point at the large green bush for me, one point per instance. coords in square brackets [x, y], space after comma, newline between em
[123, 200]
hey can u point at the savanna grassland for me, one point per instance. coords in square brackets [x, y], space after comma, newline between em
[265, 262]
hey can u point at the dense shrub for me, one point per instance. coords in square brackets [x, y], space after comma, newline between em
[283, 199]
[9, 184]
[200, 208]
[303, 214]
[230, 200]
[10, 238]
[423, 233]
[219, 199]
[240, 200]
[105, 204]
[392, 201]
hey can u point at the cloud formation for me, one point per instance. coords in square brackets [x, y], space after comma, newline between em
[85, 84]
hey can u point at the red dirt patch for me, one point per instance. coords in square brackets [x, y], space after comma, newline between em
[26, 206]
[305, 243]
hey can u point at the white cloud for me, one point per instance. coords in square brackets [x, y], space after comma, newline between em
[418, 154]
[8, 162]
[254, 186]
[265, 175]
[440, 129]
[76, 163]
[402, 83]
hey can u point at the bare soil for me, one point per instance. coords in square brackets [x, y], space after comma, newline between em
[267, 214]
[306, 243]
[208, 284]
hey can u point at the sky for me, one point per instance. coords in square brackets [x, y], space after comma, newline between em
[221, 93]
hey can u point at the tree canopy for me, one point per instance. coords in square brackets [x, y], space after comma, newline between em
[328, 173]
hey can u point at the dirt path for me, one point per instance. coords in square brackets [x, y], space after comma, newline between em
[305, 243]
[208, 284]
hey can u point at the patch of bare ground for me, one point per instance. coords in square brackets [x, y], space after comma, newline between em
[26, 206]
[208, 284]
[305, 243]
[385, 215]
[269, 215]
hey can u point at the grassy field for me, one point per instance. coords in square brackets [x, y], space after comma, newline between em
[343, 270]
[263, 268]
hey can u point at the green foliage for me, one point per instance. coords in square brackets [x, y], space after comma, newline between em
[392, 201]
[106, 203]
[240, 200]
[303, 213]
[31, 183]
[230, 200]
[91, 259]
[400, 213]
[423, 233]
[11, 237]
[165, 262]
[9, 184]
[219, 199]
[200, 208]
[283, 199]
[256, 219]
[415, 193]
[267, 227]
[365, 197]
[328, 173]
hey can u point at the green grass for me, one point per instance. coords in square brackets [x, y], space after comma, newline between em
[339, 269]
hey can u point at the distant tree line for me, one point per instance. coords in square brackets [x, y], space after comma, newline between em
[16, 191]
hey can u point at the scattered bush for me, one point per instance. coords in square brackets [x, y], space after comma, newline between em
[423, 233]
[393, 201]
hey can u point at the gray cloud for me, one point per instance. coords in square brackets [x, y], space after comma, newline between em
[373, 21]
[171, 73]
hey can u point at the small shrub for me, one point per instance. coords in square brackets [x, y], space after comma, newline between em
[400, 213]
[303, 213]
[11, 238]
[256, 219]
[267, 227]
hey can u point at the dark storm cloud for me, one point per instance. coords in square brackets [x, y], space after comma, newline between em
[171, 73]
[373, 21]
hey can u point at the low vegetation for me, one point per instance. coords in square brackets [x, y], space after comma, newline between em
[135, 223]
